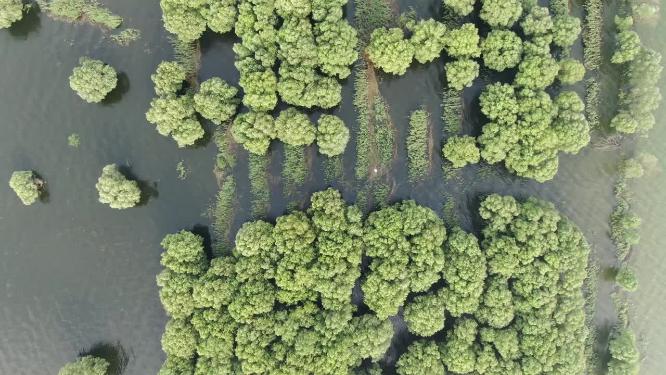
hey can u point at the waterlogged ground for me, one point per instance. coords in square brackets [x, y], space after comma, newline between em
[78, 275]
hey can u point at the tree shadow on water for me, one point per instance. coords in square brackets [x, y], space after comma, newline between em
[114, 353]
[148, 188]
[204, 232]
[121, 89]
[30, 23]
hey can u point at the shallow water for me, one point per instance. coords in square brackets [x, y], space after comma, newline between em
[77, 274]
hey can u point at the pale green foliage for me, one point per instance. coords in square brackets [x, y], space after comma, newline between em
[502, 49]
[168, 78]
[566, 30]
[221, 15]
[188, 18]
[88, 365]
[570, 124]
[175, 117]
[464, 271]
[259, 90]
[184, 253]
[179, 339]
[537, 72]
[93, 80]
[425, 314]
[631, 168]
[177, 366]
[496, 309]
[26, 186]
[81, 10]
[463, 42]
[498, 102]
[405, 244]
[501, 13]
[624, 353]
[626, 278]
[460, 7]
[293, 8]
[628, 46]
[336, 47]
[421, 358]
[332, 135]
[458, 350]
[428, 38]
[116, 190]
[296, 43]
[254, 131]
[216, 100]
[461, 73]
[571, 71]
[537, 22]
[624, 122]
[538, 46]
[10, 11]
[304, 87]
[294, 128]
[390, 51]
[461, 150]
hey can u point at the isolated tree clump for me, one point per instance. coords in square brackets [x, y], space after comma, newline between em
[216, 100]
[93, 80]
[390, 51]
[88, 365]
[626, 278]
[332, 135]
[294, 128]
[10, 11]
[116, 190]
[461, 150]
[463, 42]
[502, 49]
[26, 186]
[624, 353]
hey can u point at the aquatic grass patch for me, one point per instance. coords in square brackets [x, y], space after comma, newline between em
[258, 172]
[592, 29]
[81, 10]
[333, 169]
[294, 168]
[452, 110]
[363, 120]
[370, 15]
[417, 145]
[223, 213]
[126, 37]
[592, 91]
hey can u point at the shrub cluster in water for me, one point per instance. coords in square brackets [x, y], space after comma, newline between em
[281, 301]
[93, 80]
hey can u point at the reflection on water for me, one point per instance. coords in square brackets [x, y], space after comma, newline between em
[77, 274]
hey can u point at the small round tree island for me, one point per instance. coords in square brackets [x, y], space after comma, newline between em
[116, 190]
[88, 365]
[93, 80]
[27, 186]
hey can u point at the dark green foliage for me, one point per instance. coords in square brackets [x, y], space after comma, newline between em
[417, 145]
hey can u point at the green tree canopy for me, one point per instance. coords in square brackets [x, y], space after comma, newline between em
[421, 358]
[332, 135]
[216, 100]
[294, 128]
[259, 89]
[502, 49]
[461, 73]
[626, 278]
[501, 13]
[624, 353]
[464, 271]
[461, 150]
[571, 71]
[566, 30]
[499, 103]
[428, 38]
[390, 51]
[116, 190]
[424, 315]
[537, 72]
[628, 46]
[460, 7]
[26, 186]
[336, 47]
[254, 130]
[88, 365]
[168, 78]
[175, 117]
[463, 42]
[10, 11]
[537, 22]
[93, 80]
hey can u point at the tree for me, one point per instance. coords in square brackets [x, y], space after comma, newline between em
[26, 186]
[259, 90]
[10, 11]
[428, 38]
[645, 69]
[254, 131]
[461, 7]
[624, 353]
[502, 49]
[293, 8]
[221, 15]
[168, 78]
[496, 309]
[461, 150]
[461, 73]
[184, 253]
[88, 365]
[294, 128]
[336, 47]
[179, 339]
[566, 30]
[499, 103]
[463, 42]
[216, 100]
[304, 87]
[390, 51]
[421, 358]
[175, 117]
[501, 13]
[570, 125]
[93, 80]
[116, 190]
[177, 366]
[537, 22]
[628, 46]
[571, 71]
[186, 19]
[332, 135]
[425, 314]
[457, 351]
[537, 72]
[631, 168]
[464, 271]
[626, 279]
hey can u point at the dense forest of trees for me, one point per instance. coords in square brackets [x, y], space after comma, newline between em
[282, 300]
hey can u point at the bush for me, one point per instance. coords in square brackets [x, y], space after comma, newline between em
[332, 135]
[461, 73]
[116, 190]
[461, 151]
[501, 13]
[176, 117]
[93, 80]
[626, 279]
[87, 365]
[77, 10]
[294, 128]
[26, 186]
[571, 71]
[10, 11]
[216, 100]
[428, 38]
[463, 42]
[168, 78]
[254, 131]
[390, 51]
[502, 49]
